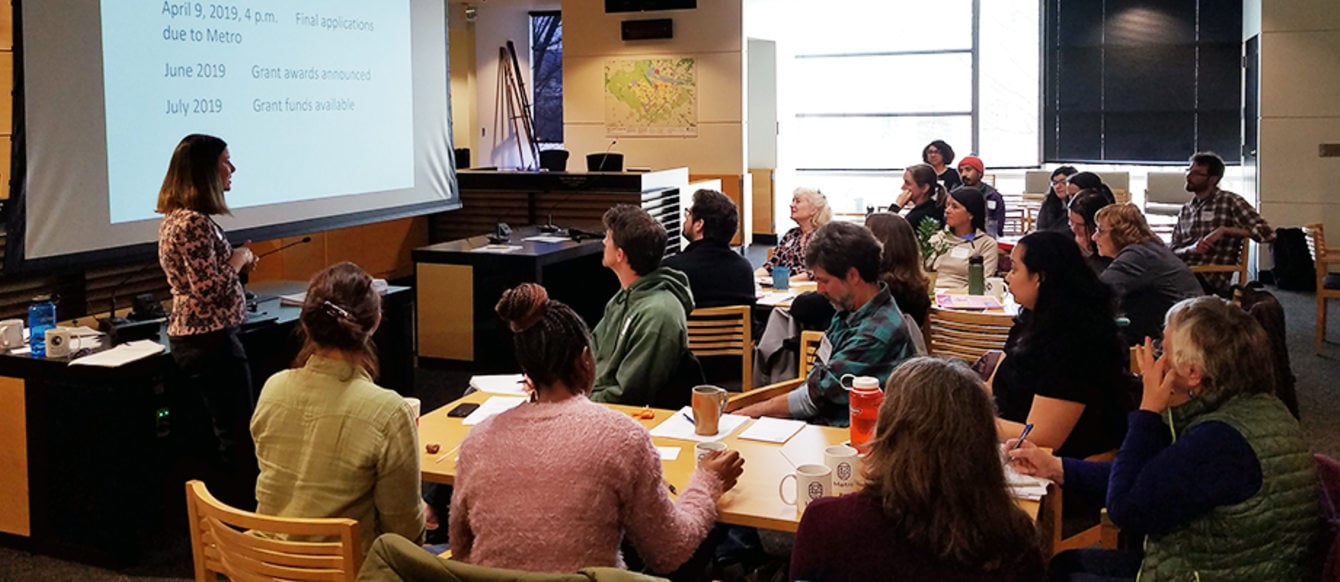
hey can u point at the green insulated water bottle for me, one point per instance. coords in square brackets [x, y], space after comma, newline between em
[976, 279]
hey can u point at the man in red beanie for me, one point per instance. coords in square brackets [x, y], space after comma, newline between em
[971, 169]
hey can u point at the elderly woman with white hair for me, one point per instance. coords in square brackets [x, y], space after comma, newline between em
[1214, 469]
[810, 210]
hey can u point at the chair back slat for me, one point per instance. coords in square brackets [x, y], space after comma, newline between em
[809, 350]
[234, 543]
[724, 331]
[967, 335]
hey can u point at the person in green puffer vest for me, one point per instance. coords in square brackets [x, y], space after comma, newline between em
[1213, 470]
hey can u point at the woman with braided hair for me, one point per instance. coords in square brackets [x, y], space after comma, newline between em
[553, 485]
[330, 442]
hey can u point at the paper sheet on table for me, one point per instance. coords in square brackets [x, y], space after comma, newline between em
[120, 355]
[295, 299]
[496, 249]
[678, 426]
[546, 238]
[500, 384]
[1025, 486]
[774, 298]
[84, 331]
[772, 430]
[493, 406]
[669, 453]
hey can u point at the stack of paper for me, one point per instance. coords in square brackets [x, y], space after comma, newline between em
[500, 384]
[772, 430]
[491, 407]
[1025, 486]
[121, 355]
[678, 426]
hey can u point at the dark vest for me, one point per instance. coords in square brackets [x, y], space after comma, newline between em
[1270, 536]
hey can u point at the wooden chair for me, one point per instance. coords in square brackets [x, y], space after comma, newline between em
[1240, 268]
[966, 335]
[724, 331]
[809, 349]
[1049, 518]
[223, 542]
[1323, 257]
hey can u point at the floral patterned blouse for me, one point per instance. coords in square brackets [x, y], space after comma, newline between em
[206, 293]
[791, 252]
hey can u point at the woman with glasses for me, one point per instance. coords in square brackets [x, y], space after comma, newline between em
[1146, 276]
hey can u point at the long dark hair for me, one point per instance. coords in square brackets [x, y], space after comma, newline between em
[1090, 180]
[1070, 295]
[900, 255]
[1086, 203]
[341, 311]
[551, 341]
[936, 468]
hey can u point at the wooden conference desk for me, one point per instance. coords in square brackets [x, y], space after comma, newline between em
[753, 502]
[89, 456]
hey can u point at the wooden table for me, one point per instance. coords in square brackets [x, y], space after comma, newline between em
[753, 502]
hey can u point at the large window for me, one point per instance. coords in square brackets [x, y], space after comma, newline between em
[1141, 80]
[546, 73]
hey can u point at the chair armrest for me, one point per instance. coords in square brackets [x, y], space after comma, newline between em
[1216, 268]
[1110, 537]
[757, 395]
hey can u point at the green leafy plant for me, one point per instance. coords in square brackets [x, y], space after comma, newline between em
[931, 248]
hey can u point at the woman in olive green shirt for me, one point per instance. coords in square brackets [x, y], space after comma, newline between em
[330, 442]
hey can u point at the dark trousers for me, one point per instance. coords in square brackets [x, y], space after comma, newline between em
[1095, 566]
[215, 375]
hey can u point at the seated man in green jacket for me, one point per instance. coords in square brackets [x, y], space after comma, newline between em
[644, 333]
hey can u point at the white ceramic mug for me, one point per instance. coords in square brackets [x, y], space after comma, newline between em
[61, 342]
[844, 462]
[701, 450]
[995, 287]
[812, 482]
[11, 334]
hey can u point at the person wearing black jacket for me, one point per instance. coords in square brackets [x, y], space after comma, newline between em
[718, 276]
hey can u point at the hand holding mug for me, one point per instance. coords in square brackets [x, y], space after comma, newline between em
[727, 465]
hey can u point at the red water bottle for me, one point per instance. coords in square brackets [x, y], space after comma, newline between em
[863, 400]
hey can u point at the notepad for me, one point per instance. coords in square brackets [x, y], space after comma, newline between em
[678, 426]
[494, 406]
[1025, 486]
[772, 430]
[500, 384]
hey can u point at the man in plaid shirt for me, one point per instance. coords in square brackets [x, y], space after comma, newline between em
[867, 337]
[1211, 226]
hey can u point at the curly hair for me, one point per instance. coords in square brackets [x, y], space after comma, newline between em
[1125, 224]
[946, 152]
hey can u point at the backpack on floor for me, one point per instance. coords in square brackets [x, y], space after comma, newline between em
[1294, 269]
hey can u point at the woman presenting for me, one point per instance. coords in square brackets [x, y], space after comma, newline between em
[203, 271]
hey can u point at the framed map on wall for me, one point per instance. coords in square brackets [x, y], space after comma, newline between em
[651, 97]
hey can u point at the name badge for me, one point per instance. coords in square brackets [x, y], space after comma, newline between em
[825, 350]
[960, 252]
[1207, 216]
[991, 204]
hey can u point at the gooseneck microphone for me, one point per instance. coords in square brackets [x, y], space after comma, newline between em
[605, 157]
[305, 240]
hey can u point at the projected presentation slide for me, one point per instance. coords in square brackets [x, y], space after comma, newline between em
[302, 81]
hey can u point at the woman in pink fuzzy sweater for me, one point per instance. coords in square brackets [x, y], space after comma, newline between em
[555, 484]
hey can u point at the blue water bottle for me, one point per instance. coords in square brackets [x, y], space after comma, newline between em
[41, 317]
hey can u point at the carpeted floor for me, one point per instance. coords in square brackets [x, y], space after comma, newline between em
[1318, 395]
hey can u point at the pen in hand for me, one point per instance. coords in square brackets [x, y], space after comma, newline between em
[1023, 435]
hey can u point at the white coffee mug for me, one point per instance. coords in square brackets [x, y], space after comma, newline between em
[61, 342]
[701, 450]
[844, 463]
[812, 482]
[11, 334]
[995, 287]
[415, 405]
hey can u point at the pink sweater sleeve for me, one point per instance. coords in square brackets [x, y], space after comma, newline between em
[665, 532]
[458, 520]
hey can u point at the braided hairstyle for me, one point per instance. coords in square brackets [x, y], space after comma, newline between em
[340, 312]
[551, 341]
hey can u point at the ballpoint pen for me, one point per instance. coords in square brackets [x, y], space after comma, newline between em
[1023, 435]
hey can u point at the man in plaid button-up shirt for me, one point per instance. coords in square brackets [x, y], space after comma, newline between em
[1211, 226]
[866, 338]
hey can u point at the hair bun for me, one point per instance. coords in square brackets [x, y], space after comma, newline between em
[522, 306]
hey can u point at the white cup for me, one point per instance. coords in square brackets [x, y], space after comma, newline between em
[415, 405]
[812, 482]
[61, 342]
[701, 450]
[844, 462]
[11, 334]
[995, 287]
